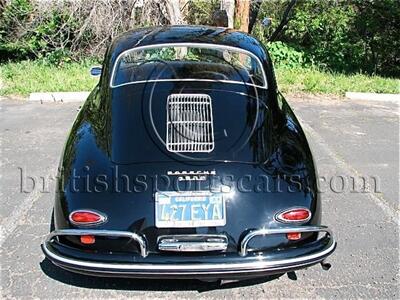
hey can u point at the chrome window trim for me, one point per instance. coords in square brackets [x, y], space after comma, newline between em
[96, 232]
[189, 79]
[196, 45]
[267, 231]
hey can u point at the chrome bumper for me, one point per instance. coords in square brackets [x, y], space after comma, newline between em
[242, 264]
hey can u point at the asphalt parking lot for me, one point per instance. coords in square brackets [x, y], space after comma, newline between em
[349, 139]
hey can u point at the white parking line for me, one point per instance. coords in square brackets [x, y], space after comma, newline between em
[389, 211]
[10, 223]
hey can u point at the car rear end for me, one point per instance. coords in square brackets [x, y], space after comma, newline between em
[187, 176]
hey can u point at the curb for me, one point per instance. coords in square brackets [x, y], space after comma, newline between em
[58, 97]
[374, 97]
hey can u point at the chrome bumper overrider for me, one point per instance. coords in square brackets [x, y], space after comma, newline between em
[144, 267]
[109, 233]
[266, 231]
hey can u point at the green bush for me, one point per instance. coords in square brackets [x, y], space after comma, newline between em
[348, 36]
[322, 29]
[377, 26]
[352, 36]
[200, 11]
[285, 56]
[12, 40]
[46, 37]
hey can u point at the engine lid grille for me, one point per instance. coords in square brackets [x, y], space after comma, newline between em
[189, 123]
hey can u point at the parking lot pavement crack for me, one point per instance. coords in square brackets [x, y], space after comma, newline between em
[379, 200]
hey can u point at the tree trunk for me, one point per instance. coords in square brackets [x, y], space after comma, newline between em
[184, 7]
[174, 12]
[229, 7]
[242, 15]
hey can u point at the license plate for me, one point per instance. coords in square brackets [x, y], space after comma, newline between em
[189, 209]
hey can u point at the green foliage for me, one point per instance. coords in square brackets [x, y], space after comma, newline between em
[377, 26]
[321, 29]
[268, 9]
[12, 43]
[348, 36]
[25, 77]
[313, 80]
[165, 54]
[285, 56]
[200, 11]
[57, 57]
[53, 33]
[47, 37]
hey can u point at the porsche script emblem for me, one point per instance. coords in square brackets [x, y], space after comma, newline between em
[191, 175]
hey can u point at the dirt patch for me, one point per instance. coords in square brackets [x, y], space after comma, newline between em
[315, 98]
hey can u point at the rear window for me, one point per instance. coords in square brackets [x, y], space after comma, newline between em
[187, 62]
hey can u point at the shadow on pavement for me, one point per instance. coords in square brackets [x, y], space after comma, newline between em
[115, 283]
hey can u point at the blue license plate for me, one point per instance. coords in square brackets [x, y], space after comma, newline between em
[189, 209]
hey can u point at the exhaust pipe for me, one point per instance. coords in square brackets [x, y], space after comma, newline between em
[326, 266]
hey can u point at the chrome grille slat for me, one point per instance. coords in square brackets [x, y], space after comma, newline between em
[189, 123]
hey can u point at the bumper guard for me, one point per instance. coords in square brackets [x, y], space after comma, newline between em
[243, 264]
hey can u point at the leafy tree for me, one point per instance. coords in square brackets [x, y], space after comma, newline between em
[338, 35]
[12, 31]
[377, 26]
[322, 29]
[348, 36]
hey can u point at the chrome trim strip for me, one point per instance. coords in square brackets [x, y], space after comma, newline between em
[114, 233]
[192, 243]
[192, 246]
[193, 269]
[197, 45]
[281, 220]
[268, 231]
[103, 218]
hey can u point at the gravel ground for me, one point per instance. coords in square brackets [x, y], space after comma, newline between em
[348, 138]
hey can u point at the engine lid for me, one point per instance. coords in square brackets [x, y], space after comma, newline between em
[189, 121]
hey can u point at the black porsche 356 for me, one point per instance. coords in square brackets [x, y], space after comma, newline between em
[186, 162]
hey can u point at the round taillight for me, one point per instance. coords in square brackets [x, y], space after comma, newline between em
[294, 215]
[86, 217]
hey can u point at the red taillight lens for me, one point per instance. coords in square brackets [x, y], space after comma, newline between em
[294, 215]
[84, 217]
[88, 239]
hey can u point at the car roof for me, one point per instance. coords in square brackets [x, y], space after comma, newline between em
[185, 34]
